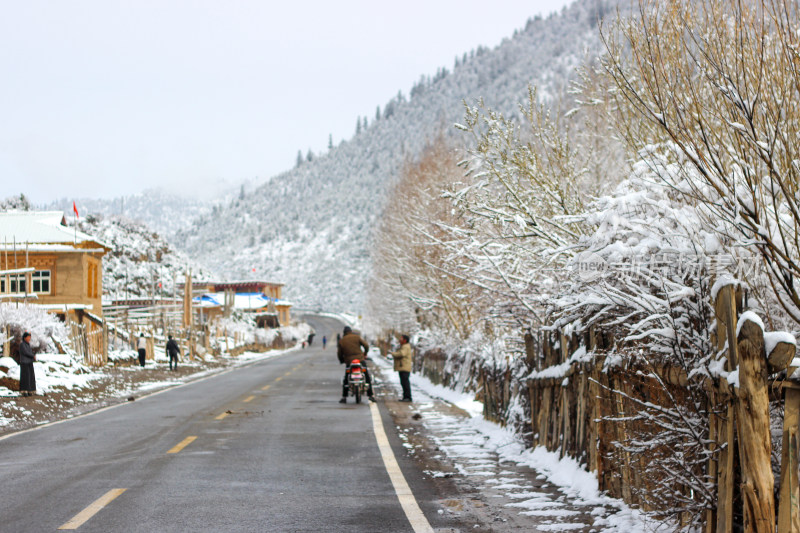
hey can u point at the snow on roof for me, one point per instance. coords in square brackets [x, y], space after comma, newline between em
[245, 301]
[244, 282]
[38, 227]
[66, 307]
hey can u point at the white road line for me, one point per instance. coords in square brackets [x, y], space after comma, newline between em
[414, 514]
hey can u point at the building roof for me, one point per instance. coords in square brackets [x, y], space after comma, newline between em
[244, 301]
[39, 227]
[233, 285]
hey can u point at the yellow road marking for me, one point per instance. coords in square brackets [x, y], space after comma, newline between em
[409, 504]
[248, 399]
[266, 387]
[221, 416]
[279, 378]
[182, 444]
[289, 372]
[79, 519]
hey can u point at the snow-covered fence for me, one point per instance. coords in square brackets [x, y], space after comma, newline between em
[696, 446]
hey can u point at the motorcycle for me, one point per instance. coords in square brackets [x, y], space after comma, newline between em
[356, 381]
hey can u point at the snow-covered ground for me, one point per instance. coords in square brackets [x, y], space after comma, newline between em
[52, 370]
[562, 497]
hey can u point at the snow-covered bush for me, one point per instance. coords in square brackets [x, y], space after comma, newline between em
[15, 319]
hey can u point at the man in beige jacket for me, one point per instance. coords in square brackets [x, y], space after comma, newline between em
[403, 362]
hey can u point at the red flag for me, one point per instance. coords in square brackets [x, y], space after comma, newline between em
[75, 208]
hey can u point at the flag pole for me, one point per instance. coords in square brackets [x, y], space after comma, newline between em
[75, 210]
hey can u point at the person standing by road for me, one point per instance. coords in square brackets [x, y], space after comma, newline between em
[141, 344]
[324, 341]
[349, 349]
[403, 363]
[27, 377]
[172, 351]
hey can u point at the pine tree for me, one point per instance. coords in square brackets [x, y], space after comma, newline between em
[299, 158]
[310, 156]
[365, 123]
[241, 192]
[330, 141]
[358, 125]
[378, 113]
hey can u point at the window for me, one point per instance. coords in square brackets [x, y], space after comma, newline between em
[93, 281]
[40, 280]
[16, 283]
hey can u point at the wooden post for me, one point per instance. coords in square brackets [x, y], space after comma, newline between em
[187, 301]
[755, 443]
[789, 502]
[105, 342]
[7, 344]
[726, 315]
[622, 436]
[530, 350]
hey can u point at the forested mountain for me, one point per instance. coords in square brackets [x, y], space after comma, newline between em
[310, 227]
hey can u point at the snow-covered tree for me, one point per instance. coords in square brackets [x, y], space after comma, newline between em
[713, 87]
[19, 203]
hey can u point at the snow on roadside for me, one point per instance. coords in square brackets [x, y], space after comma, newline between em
[471, 444]
[52, 371]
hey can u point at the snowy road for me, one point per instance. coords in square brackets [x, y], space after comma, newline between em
[266, 447]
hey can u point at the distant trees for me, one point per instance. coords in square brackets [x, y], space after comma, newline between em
[418, 277]
[299, 160]
[20, 203]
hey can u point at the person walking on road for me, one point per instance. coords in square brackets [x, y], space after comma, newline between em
[403, 362]
[172, 351]
[348, 350]
[324, 341]
[27, 377]
[141, 344]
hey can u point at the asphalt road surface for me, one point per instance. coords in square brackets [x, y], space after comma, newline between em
[265, 447]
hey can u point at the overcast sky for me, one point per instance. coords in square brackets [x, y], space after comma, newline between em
[105, 97]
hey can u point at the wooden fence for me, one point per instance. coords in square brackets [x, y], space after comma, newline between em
[588, 410]
[120, 328]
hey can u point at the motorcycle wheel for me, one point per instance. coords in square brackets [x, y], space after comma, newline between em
[358, 395]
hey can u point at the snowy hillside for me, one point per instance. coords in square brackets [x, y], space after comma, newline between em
[165, 213]
[311, 227]
[141, 264]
